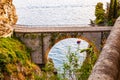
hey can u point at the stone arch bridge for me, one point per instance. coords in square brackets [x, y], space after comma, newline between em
[40, 39]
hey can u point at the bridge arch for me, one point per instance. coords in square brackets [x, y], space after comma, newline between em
[67, 38]
[84, 58]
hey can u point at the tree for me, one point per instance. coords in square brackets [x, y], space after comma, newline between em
[112, 12]
[100, 14]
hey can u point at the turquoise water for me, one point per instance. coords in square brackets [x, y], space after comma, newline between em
[56, 12]
[60, 50]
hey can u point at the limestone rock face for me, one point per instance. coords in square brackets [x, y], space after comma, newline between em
[8, 17]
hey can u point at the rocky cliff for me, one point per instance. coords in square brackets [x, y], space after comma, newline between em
[8, 17]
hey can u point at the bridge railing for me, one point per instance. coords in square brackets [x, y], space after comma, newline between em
[107, 66]
[60, 29]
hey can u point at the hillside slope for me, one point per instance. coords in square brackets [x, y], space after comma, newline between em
[15, 61]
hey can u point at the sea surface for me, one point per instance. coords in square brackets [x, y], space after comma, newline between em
[56, 12]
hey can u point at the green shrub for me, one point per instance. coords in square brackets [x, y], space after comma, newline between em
[73, 70]
[109, 16]
[15, 61]
[100, 14]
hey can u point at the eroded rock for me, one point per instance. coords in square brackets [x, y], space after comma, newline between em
[8, 17]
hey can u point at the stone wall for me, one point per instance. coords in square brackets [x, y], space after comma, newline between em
[34, 43]
[41, 43]
[8, 17]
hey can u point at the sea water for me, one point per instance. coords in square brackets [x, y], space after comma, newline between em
[56, 12]
[60, 50]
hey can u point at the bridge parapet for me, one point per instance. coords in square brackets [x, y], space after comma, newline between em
[40, 39]
[108, 65]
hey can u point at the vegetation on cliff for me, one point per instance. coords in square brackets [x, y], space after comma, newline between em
[75, 70]
[15, 62]
[99, 13]
[108, 16]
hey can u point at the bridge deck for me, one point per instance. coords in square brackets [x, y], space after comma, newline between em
[34, 29]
